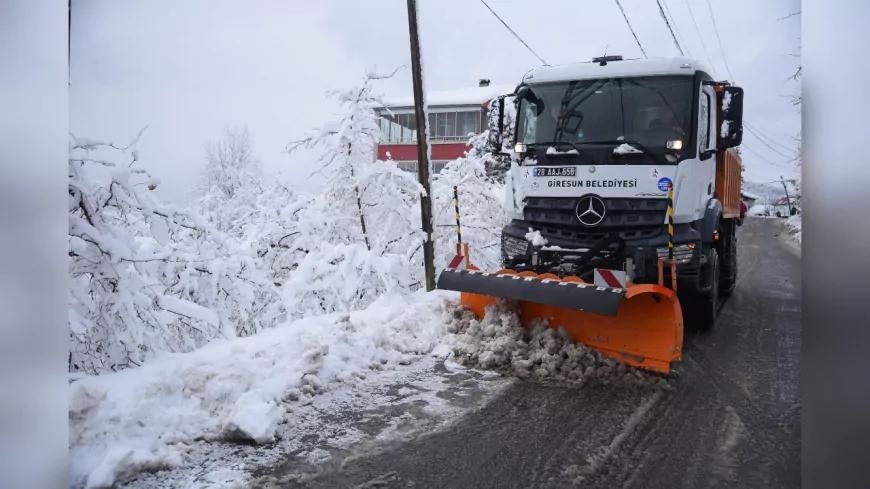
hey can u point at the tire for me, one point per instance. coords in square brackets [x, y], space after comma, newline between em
[708, 305]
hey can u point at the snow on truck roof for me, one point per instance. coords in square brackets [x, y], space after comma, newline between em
[677, 65]
[461, 96]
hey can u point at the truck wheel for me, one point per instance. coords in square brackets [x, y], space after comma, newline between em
[708, 307]
[729, 282]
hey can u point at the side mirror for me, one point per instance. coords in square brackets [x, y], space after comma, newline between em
[501, 115]
[495, 125]
[731, 128]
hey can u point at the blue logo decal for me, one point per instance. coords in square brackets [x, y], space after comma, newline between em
[663, 184]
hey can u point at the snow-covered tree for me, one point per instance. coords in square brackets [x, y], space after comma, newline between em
[361, 231]
[480, 206]
[232, 181]
[147, 277]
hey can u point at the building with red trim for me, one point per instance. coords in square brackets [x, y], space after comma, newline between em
[454, 115]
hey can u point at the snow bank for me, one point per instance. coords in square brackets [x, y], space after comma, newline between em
[794, 227]
[144, 418]
[757, 210]
[500, 343]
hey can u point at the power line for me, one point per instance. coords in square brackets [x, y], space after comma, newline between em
[719, 40]
[677, 27]
[754, 133]
[760, 132]
[514, 33]
[703, 45]
[665, 18]
[631, 29]
[749, 148]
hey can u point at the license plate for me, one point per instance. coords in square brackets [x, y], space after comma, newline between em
[555, 171]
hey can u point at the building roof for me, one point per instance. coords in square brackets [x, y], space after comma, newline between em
[783, 201]
[460, 96]
[748, 195]
[677, 65]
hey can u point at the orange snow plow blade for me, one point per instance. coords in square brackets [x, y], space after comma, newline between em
[641, 325]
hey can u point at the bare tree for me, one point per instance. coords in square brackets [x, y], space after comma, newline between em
[230, 162]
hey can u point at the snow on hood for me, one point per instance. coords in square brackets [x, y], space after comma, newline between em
[626, 148]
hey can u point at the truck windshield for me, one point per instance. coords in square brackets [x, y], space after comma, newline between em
[652, 111]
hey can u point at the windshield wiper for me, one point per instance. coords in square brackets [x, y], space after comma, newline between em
[557, 143]
[630, 142]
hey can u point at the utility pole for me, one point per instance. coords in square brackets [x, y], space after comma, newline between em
[787, 199]
[422, 148]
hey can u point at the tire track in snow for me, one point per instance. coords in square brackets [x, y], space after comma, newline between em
[595, 462]
[732, 432]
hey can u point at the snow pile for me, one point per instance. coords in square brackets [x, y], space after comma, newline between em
[535, 238]
[553, 151]
[626, 148]
[499, 342]
[144, 418]
[794, 227]
[758, 210]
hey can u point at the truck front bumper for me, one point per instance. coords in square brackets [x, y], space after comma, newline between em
[644, 252]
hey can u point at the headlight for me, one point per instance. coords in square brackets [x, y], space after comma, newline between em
[682, 253]
[512, 247]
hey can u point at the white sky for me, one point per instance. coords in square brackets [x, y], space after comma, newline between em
[186, 69]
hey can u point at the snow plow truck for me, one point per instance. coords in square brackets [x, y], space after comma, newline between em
[624, 200]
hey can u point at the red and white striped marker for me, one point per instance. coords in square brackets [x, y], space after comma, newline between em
[458, 261]
[610, 278]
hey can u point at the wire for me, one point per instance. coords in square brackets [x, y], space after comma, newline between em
[704, 46]
[631, 29]
[665, 18]
[749, 148]
[760, 132]
[754, 133]
[719, 40]
[677, 27]
[514, 33]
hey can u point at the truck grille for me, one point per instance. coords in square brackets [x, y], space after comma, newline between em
[631, 218]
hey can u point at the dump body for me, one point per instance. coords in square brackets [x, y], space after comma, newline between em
[728, 171]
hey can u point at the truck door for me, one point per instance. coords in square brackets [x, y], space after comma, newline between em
[707, 132]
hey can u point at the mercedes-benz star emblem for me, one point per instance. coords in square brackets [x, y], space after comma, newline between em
[590, 210]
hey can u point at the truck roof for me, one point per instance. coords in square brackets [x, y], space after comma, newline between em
[677, 65]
